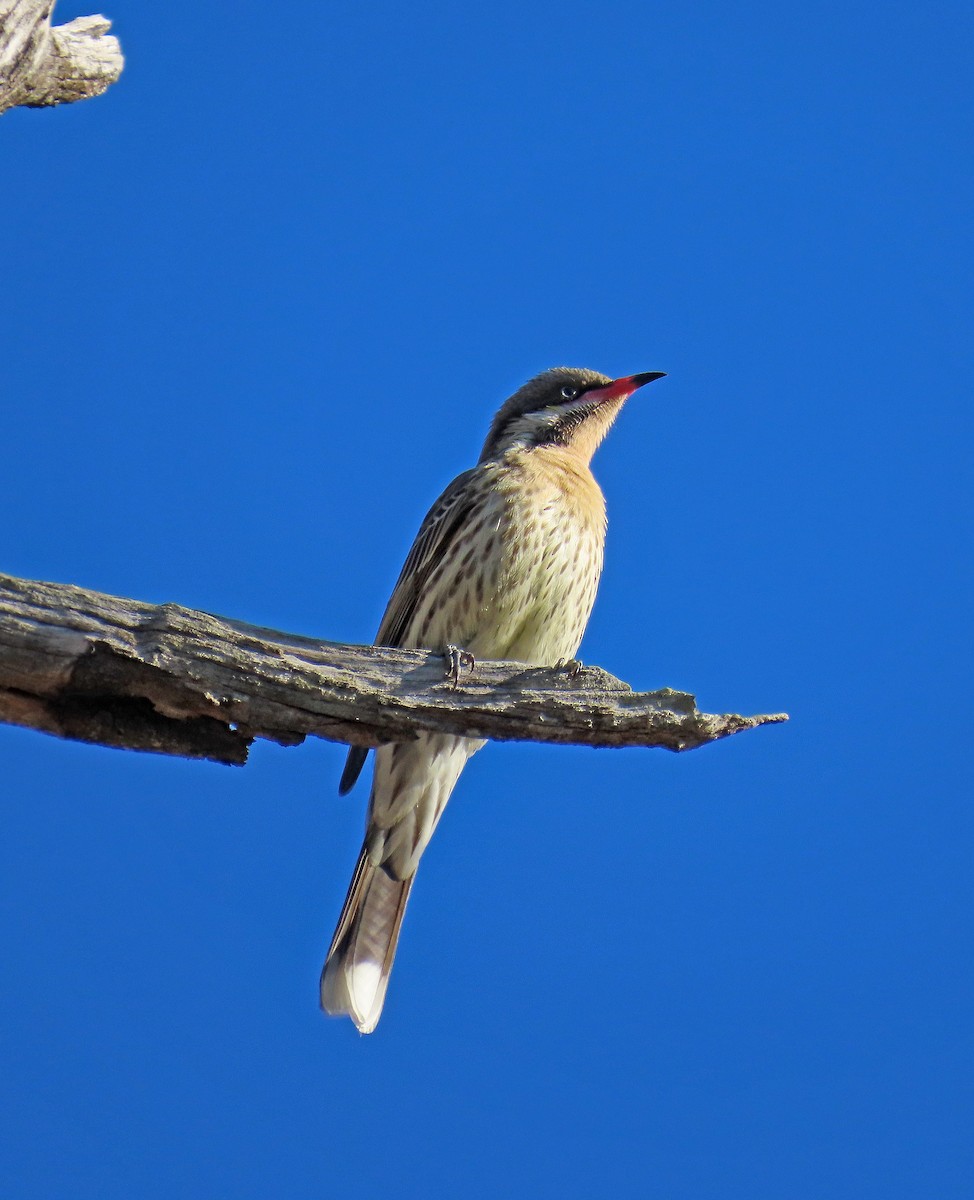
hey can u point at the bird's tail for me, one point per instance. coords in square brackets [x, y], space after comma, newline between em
[356, 971]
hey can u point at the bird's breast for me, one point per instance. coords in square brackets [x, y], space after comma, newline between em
[546, 529]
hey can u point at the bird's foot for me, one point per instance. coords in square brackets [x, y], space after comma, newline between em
[570, 665]
[458, 660]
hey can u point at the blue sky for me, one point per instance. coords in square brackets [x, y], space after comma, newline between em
[261, 301]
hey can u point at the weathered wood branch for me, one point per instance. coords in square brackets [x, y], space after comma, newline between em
[97, 668]
[41, 66]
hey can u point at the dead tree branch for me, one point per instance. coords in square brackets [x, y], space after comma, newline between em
[97, 668]
[41, 66]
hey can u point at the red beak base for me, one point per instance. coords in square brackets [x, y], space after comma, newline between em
[619, 389]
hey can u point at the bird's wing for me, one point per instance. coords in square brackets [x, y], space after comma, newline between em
[437, 531]
[439, 527]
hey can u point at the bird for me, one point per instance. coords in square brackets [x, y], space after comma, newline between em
[505, 566]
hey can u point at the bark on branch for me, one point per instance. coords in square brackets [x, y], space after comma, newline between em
[97, 668]
[40, 65]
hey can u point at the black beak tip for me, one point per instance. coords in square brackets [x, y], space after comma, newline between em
[647, 377]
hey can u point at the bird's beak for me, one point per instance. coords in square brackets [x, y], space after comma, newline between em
[619, 389]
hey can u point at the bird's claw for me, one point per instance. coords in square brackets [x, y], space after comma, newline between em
[571, 665]
[457, 660]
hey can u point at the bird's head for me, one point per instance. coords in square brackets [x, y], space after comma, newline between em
[566, 406]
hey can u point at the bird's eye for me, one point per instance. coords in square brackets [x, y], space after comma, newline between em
[568, 392]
